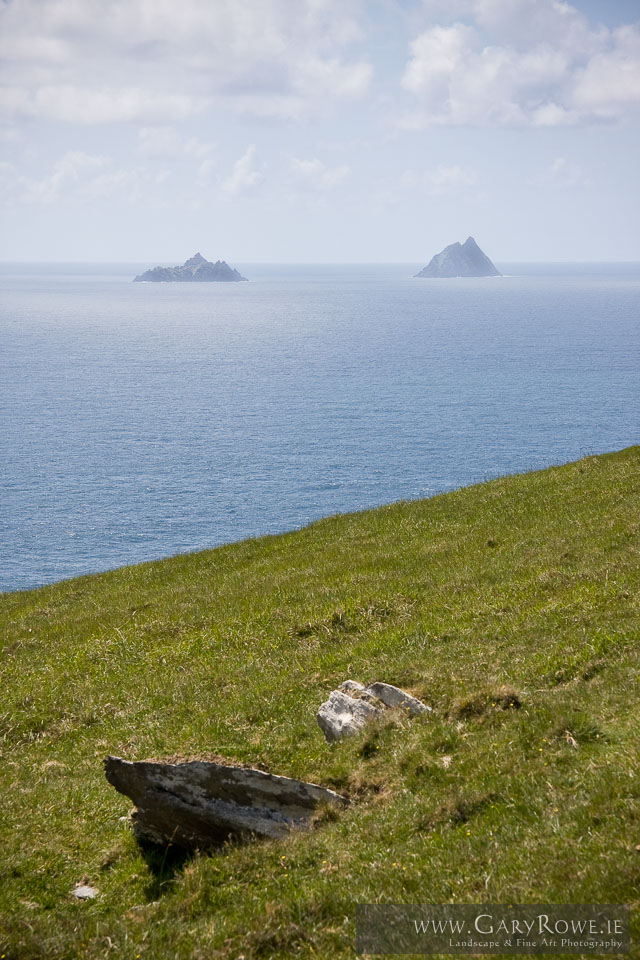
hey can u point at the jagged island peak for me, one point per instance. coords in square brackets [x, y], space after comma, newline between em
[460, 260]
[196, 269]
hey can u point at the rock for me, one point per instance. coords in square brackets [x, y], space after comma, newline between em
[351, 707]
[196, 269]
[395, 697]
[460, 260]
[84, 892]
[342, 714]
[198, 804]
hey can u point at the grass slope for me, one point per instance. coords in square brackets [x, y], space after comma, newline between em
[528, 582]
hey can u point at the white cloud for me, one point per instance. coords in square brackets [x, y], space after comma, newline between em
[269, 57]
[447, 10]
[132, 184]
[552, 115]
[203, 154]
[548, 68]
[609, 83]
[527, 23]
[562, 172]
[243, 177]
[449, 179]
[69, 171]
[441, 180]
[568, 174]
[74, 103]
[436, 54]
[316, 176]
[160, 141]
[276, 106]
[82, 177]
[164, 142]
[330, 78]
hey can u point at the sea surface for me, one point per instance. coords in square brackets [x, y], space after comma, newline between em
[143, 420]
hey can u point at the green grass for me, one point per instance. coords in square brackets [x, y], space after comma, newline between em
[510, 607]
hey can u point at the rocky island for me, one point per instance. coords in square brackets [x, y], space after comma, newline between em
[460, 260]
[197, 269]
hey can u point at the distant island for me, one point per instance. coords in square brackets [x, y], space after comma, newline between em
[460, 260]
[197, 269]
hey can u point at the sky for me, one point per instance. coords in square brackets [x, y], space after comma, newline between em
[319, 130]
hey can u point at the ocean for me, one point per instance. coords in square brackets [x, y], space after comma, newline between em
[144, 420]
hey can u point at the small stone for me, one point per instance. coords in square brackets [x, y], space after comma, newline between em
[84, 892]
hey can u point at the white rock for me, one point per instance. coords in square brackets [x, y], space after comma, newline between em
[84, 892]
[395, 697]
[341, 715]
[351, 707]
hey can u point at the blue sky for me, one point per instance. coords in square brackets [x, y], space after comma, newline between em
[319, 130]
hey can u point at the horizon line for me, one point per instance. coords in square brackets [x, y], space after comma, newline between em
[328, 263]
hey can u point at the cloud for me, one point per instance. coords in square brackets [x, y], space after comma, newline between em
[316, 176]
[243, 177]
[448, 179]
[441, 180]
[73, 103]
[609, 83]
[563, 173]
[80, 176]
[330, 78]
[280, 58]
[527, 23]
[548, 68]
[203, 154]
[159, 141]
[163, 142]
[69, 171]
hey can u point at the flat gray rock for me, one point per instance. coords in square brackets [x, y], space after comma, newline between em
[198, 804]
[351, 707]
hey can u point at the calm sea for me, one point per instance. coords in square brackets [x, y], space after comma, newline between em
[143, 420]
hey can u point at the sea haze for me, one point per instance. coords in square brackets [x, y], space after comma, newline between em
[143, 420]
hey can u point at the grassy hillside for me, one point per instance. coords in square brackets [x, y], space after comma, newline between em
[528, 584]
